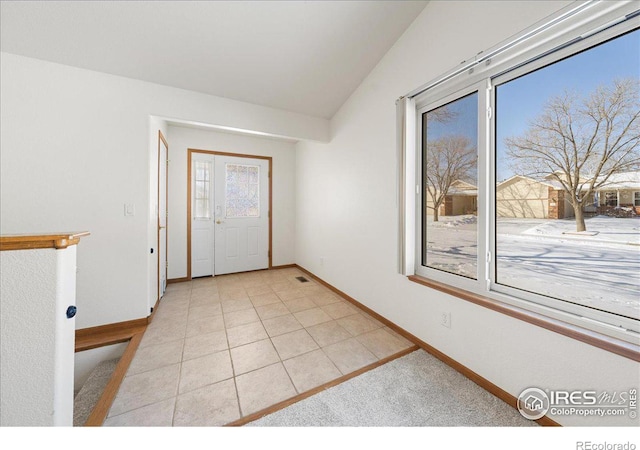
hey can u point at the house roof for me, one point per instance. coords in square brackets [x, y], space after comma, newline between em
[463, 192]
[462, 188]
[623, 181]
[516, 178]
[619, 181]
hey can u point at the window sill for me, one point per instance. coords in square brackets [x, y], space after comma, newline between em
[610, 344]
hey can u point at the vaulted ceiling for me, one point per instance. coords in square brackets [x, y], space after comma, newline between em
[300, 56]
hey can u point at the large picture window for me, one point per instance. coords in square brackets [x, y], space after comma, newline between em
[563, 132]
[526, 175]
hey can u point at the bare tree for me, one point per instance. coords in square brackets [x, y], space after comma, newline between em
[448, 159]
[443, 114]
[581, 142]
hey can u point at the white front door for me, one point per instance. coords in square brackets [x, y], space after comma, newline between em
[230, 214]
[242, 214]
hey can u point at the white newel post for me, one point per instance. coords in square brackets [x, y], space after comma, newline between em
[37, 287]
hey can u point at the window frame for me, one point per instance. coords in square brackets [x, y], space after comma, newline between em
[427, 104]
[543, 50]
[607, 318]
[609, 196]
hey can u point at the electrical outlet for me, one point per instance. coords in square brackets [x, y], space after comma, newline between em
[445, 319]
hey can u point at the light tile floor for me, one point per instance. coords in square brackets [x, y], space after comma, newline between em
[222, 348]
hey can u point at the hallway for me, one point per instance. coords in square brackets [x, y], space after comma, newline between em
[224, 348]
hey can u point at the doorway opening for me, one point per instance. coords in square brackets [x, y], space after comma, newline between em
[162, 238]
[229, 221]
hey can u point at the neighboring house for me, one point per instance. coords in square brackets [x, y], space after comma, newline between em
[521, 196]
[462, 198]
[524, 197]
[622, 190]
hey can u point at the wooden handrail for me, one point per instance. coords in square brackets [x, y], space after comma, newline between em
[41, 240]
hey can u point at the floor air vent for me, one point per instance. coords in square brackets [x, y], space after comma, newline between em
[302, 279]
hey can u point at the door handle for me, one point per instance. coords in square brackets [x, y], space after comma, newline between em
[219, 221]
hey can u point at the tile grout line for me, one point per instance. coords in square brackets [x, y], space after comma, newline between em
[266, 285]
[184, 339]
[233, 369]
[282, 363]
[270, 338]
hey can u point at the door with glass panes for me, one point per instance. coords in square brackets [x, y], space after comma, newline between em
[230, 214]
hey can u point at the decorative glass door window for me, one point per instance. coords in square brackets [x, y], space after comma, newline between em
[202, 194]
[242, 191]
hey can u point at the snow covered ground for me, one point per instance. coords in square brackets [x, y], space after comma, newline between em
[599, 268]
[599, 228]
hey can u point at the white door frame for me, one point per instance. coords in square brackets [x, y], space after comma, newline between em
[190, 153]
[159, 285]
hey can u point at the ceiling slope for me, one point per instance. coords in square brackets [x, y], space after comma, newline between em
[300, 56]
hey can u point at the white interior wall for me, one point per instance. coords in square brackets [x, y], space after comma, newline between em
[180, 139]
[36, 381]
[76, 148]
[347, 216]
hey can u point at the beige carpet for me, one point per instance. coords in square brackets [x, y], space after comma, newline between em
[90, 393]
[415, 390]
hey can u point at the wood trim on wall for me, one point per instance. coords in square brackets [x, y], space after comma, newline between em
[161, 139]
[101, 409]
[113, 333]
[284, 266]
[617, 346]
[153, 312]
[178, 280]
[189, 212]
[57, 241]
[190, 152]
[479, 380]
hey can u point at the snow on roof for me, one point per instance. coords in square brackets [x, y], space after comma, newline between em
[556, 174]
[462, 192]
[460, 187]
[554, 184]
[618, 181]
[623, 181]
